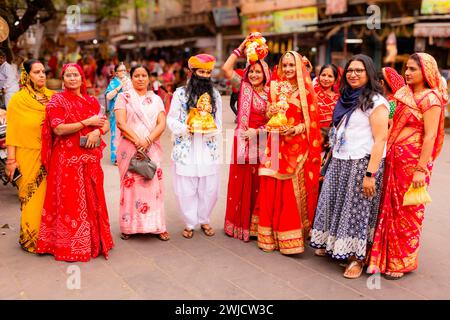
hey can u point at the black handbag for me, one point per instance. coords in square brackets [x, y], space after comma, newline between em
[144, 167]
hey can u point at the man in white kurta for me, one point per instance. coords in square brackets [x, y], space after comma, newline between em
[195, 155]
[9, 80]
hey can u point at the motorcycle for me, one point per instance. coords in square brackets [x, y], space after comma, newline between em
[3, 154]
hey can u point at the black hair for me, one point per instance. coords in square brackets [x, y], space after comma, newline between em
[332, 67]
[381, 77]
[133, 69]
[372, 86]
[416, 58]
[154, 74]
[116, 67]
[2, 53]
[28, 64]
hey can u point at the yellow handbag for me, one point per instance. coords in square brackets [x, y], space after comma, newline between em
[415, 196]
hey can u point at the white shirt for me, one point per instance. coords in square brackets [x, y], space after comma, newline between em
[358, 133]
[8, 78]
[198, 148]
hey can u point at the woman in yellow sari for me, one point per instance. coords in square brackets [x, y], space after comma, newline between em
[25, 115]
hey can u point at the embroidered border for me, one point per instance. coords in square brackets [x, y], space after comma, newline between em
[32, 187]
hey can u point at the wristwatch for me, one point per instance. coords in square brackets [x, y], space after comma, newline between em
[370, 174]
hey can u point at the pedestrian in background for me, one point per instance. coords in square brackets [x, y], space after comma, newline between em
[350, 195]
[25, 116]
[415, 142]
[141, 120]
[75, 223]
[9, 82]
[118, 84]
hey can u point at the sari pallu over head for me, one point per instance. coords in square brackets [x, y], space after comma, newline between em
[27, 106]
[249, 99]
[77, 109]
[407, 105]
[301, 151]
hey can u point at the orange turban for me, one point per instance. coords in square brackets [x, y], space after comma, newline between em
[202, 61]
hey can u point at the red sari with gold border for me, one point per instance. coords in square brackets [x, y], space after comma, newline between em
[290, 171]
[397, 235]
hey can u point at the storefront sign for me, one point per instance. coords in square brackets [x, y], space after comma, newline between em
[435, 7]
[295, 20]
[263, 23]
[260, 6]
[224, 17]
[336, 7]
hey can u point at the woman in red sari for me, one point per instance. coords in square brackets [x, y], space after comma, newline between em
[291, 163]
[391, 82]
[75, 223]
[415, 141]
[326, 96]
[248, 145]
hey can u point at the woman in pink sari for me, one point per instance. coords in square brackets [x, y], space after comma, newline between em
[415, 141]
[75, 224]
[141, 120]
[248, 145]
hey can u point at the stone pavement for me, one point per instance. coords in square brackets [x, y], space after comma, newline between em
[218, 267]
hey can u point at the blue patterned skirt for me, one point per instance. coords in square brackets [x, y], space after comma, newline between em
[345, 219]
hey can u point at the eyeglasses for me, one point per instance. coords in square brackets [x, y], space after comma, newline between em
[121, 70]
[358, 72]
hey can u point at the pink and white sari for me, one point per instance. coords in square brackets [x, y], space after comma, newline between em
[141, 200]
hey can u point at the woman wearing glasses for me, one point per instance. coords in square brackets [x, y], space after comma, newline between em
[118, 84]
[348, 203]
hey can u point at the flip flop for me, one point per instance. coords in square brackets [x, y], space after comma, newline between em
[320, 252]
[124, 236]
[208, 230]
[164, 236]
[390, 277]
[188, 233]
[351, 266]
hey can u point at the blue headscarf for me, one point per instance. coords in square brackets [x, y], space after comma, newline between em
[347, 103]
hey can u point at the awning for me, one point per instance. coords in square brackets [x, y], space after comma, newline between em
[430, 29]
[154, 44]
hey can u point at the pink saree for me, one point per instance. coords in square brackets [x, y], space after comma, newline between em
[141, 200]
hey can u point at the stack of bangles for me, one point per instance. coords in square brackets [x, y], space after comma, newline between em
[422, 169]
[299, 128]
[149, 141]
[237, 52]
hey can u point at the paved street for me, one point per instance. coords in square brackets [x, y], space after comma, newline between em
[219, 267]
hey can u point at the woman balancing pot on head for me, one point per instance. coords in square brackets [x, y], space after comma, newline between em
[416, 139]
[249, 140]
[289, 171]
[26, 112]
[75, 223]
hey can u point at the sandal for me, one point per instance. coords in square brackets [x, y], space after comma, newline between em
[320, 252]
[124, 236]
[208, 230]
[352, 265]
[188, 233]
[393, 275]
[164, 236]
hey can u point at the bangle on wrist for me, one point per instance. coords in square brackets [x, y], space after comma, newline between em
[84, 126]
[101, 131]
[237, 52]
[421, 169]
